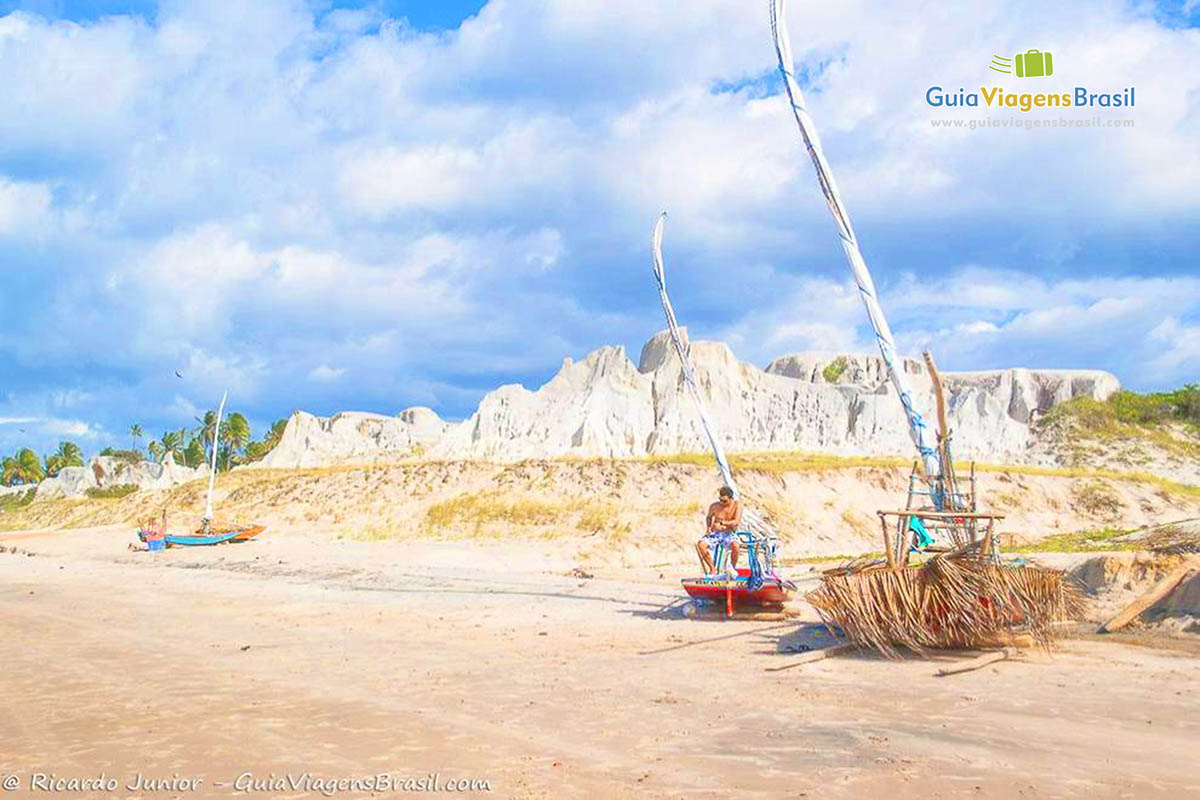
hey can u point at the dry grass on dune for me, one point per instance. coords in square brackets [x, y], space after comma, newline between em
[820, 504]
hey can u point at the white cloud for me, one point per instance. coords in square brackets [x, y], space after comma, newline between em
[325, 373]
[249, 194]
[48, 425]
[995, 319]
[68, 427]
[1181, 349]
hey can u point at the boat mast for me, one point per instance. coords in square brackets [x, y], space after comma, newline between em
[858, 267]
[751, 519]
[212, 473]
[689, 374]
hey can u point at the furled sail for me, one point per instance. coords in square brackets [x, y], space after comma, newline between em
[750, 519]
[858, 268]
[212, 474]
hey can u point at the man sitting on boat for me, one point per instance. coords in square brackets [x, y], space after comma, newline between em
[724, 518]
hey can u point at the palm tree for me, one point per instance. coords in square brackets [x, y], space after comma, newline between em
[193, 454]
[156, 450]
[276, 433]
[258, 449]
[205, 432]
[10, 471]
[29, 466]
[69, 455]
[236, 433]
[135, 433]
[170, 444]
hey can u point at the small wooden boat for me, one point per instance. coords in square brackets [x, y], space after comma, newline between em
[208, 533]
[202, 538]
[199, 539]
[732, 592]
[245, 532]
[759, 584]
[152, 533]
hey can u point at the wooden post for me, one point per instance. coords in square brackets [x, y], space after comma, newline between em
[940, 396]
[887, 543]
[972, 486]
[1139, 606]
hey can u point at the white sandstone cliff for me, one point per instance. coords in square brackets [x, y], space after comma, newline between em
[103, 472]
[606, 406]
[353, 437]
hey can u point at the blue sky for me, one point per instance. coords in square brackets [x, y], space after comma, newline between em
[370, 206]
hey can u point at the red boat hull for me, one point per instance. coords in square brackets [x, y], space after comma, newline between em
[771, 593]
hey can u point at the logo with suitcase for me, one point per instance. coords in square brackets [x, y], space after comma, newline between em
[1030, 64]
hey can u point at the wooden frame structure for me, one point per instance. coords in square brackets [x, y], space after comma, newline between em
[954, 516]
[968, 530]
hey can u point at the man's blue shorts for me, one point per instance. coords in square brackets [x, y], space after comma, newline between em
[718, 538]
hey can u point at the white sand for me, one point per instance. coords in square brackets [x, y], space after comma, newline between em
[304, 653]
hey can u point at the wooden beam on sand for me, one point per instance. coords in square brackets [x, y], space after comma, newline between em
[1139, 606]
[815, 655]
[978, 662]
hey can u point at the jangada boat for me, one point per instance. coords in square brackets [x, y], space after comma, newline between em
[758, 584]
[744, 589]
[201, 537]
[206, 535]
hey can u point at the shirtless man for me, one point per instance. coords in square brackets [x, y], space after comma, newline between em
[724, 518]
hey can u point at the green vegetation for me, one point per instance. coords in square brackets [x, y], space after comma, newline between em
[128, 456]
[23, 467]
[112, 492]
[835, 369]
[1102, 540]
[1128, 421]
[235, 445]
[17, 500]
[193, 447]
[67, 455]
[257, 450]
[1126, 408]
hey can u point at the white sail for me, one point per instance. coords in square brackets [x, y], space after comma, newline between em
[858, 268]
[212, 473]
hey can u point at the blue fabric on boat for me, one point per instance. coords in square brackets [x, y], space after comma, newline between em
[918, 527]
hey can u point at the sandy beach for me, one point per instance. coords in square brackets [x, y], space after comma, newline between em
[374, 374]
[305, 657]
